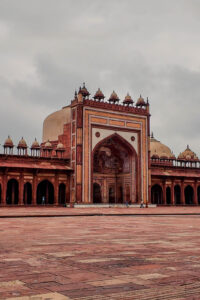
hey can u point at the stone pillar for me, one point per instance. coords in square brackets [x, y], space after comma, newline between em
[4, 188]
[195, 193]
[56, 189]
[164, 193]
[34, 190]
[182, 193]
[21, 189]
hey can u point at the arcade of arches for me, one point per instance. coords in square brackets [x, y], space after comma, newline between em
[175, 194]
[115, 171]
[43, 193]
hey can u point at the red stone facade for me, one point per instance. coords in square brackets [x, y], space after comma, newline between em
[102, 155]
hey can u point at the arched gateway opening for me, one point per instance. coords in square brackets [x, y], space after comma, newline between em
[45, 189]
[177, 195]
[12, 193]
[189, 194]
[156, 194]
[27, 194]
[62, 194]
[97, 193]
[115, 165]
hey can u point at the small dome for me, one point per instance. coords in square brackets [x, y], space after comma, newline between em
[48, 145]
[35, 144]
[128, 100]
[84, 91]
[113, 97]
[22, 143]
[141, 102]
[60, 146]
[159, 150]
[8, 142]
[99, 95]
[188, 154]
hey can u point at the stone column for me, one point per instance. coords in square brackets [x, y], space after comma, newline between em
[195, 193]
[56, 189]
[182, 193]
[4, 188]
[164, 193]
[21, 189]
[172, 193]
[34, 190]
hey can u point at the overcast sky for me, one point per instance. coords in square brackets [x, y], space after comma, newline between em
[49, 47]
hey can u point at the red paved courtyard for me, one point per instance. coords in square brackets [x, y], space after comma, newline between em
[100, 257]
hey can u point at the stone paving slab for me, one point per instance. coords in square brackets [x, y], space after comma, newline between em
[107, 257]
[47, 211]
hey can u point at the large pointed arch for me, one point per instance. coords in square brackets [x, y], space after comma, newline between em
[125, 161]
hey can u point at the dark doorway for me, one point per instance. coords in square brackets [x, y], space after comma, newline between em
[120, 195]
[177, 195]
[128, 194]
[96, 193]
[156, 194]
[62, 194]
[198, 194]
[168, 195]
[189, 193]
[45, 189]
[12, 193]
[111, 195]
[27, 197]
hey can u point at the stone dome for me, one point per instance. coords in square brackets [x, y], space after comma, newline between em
[159, 150]
[141, 102]
[99, 95]
[128, 100]
[113, 97]
[48, 145]
[188, 154]
[22, 143]
[83, 90]
[35, 144]
[8, 142]
[60, 146]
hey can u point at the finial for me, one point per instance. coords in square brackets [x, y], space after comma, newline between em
[188, 147]
[147, 100]
[152, 135]
[83, 84]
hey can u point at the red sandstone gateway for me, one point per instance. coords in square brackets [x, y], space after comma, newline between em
[97, 151]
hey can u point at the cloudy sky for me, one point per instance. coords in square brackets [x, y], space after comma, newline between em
[49, 47]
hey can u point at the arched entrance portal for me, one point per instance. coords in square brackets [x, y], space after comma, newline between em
[62, 194]
[156, 194]
[45, 189]
[189, 194]
[27, 198]
[177, 195]
[12, 193]
[96, 193]
[115, 165]
[168, 195]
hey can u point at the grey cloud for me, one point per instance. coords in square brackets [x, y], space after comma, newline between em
[48, 48]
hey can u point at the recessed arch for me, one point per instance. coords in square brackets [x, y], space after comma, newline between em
[168, 195]
[156, 194]
[114, 165]
[27, 195]
[45, 190]
[12, 192]
[189, 195]
[177, 194]
[62, 194]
